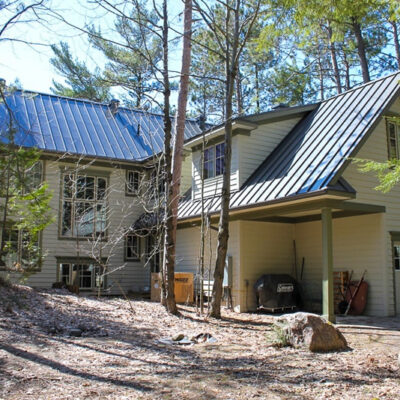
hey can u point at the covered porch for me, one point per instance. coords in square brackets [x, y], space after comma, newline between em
[329, 234]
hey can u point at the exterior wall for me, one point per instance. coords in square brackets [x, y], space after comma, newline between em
[212, 186]
[248, 152]
[133, 276]
[254, 149]
[188, 251]
[265, 248]
[375, 148]
[186, 178]
[358, 245]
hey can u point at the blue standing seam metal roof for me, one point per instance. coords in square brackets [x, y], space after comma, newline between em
[310, 157]
[74, 126]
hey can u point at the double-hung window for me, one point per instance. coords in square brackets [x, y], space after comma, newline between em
[84, 208]
[132, 247]
[214, 161]
[393, 132]
[133, 179]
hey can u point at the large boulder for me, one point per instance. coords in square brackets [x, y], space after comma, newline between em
[311, 331]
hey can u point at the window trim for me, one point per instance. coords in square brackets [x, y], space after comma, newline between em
[134, 192]
[38, 268]
[214, 160]
[86, 173]
[139, 244]
[81, 261]
[390, 121]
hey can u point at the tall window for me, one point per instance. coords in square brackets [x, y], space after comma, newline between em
[83, 206]
[132, 247]
[214, 161]
[132, 182]
[86, 275]
[393, 139]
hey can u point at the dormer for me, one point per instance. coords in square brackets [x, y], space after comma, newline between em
[253, 139]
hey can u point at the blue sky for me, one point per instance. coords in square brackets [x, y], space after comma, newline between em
[30, 64]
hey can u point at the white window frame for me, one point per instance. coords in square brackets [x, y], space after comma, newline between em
[213, 159]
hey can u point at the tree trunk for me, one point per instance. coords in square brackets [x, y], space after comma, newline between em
[168, 292]
[180, 119]
[334, 61]
[223, 227]
[257, 86]
[239, 100]
[362, 56]
[396, 41]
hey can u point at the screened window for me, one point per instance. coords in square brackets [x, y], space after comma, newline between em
[393, 140]
[132, 182]
[85, 275]
[132, 247]
[214, 161]
[83, 206]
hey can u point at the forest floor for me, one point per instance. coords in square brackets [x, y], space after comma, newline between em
[119, 355]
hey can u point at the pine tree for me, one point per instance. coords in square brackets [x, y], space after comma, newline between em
[80, 82]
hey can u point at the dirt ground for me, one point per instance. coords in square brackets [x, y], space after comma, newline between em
[118, 355]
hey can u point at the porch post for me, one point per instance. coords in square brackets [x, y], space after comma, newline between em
[327, 266]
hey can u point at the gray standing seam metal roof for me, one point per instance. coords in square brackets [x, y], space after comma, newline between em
[75, 126]
[310, 157]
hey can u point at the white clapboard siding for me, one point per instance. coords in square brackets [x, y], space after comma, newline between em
[186, 177]
[124, 211]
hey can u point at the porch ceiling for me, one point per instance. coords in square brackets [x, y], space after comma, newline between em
[310, 211]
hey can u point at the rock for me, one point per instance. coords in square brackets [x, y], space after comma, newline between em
[178, 337]
[76, 332]
[311, 331]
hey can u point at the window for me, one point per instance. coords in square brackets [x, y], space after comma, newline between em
[132, 182]
[393, 139]
[86, 275]
[26, 182]
[153, 253]
[19, 250]
[132, 247]
[214, 161]
[396, 255]
[83, 206]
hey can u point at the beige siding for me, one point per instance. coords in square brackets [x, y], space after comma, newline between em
[186, 178]
[123, 212]
[266, 248]
[254, 149]
[188, 251]
[376, 149]
[358, 245]
[212, 186]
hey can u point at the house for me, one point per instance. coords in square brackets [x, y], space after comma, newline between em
[292, 182]
[93, 158]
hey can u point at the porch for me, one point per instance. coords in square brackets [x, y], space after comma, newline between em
[330, 235]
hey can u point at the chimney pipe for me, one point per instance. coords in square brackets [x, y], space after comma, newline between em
[114, 104]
